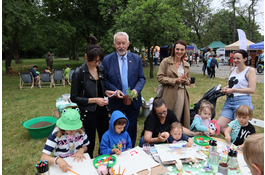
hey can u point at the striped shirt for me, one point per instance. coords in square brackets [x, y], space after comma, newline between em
[64, 144]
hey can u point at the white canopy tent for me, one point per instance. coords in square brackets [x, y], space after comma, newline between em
[235, 45]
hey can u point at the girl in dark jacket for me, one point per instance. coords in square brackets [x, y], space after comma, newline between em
[88, 90]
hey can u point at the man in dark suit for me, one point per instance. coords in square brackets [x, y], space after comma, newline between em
[123, 69]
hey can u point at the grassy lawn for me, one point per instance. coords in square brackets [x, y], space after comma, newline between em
[20, 152]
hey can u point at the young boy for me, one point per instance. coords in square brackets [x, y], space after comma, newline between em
[176, 134]
[253, 152]
[116, 139]
[212, 66]
[209, 71]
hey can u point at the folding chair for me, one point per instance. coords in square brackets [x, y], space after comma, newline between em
[70, 76]
[26, 78]
[257, 122]
[58, 76]
[46, 78]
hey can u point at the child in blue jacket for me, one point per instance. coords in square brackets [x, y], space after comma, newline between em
[116, 139]
[209, 71]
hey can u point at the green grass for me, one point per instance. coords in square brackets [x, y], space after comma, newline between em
[20, 152]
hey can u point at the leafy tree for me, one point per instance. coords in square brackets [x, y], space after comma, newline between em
[248, 13]
[151, 22]
[17, 18]
[196, 13]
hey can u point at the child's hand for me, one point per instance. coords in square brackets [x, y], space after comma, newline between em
[116, 151]
[79, 155]
[212, 132]
[189, 144]
[228, 138]
[63, 164]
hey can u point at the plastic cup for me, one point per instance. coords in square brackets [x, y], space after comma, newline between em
[146, 148]
[223, 168]
[214, 157]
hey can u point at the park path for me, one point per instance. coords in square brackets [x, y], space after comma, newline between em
[222, 72]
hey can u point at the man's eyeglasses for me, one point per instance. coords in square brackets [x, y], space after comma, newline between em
[162, 113]
[123, 43]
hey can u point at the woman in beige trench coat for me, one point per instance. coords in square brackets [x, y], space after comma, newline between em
[174, 74]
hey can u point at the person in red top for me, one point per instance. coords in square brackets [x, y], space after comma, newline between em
[231, 60]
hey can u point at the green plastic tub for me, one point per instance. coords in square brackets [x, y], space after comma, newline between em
[37, 133]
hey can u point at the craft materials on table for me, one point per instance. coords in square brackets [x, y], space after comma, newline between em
[202, 140]
[61, 104]
[135, 160]
[192, 168]
[106, 159]
[170, 152]
[81, 167]
[42, 166]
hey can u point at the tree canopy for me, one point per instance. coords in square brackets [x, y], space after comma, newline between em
[32, 28]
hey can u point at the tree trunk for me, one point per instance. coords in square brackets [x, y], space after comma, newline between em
[10, 51]
[16, 53]
[234, 20]
[151, 59]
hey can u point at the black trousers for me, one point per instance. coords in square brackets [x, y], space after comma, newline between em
[92, 121]
[213, 72]
[209, 71]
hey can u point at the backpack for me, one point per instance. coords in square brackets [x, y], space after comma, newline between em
[204, 59]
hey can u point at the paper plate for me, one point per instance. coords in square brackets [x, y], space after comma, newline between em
[110, 162]
[205, 138]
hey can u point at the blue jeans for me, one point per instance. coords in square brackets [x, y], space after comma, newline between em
[232, 103]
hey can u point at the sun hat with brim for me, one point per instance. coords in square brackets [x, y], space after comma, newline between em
[70, 120]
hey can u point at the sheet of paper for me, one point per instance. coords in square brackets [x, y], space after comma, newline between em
[169, 152]
[243, 165]
[83, 168]
[134, 160]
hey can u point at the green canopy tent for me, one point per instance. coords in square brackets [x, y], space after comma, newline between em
[216, 44]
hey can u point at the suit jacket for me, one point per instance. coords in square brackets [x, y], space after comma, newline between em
[136, 79]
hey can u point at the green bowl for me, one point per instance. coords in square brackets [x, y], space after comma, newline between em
[100, 158]
[41, 132]
[205, 138]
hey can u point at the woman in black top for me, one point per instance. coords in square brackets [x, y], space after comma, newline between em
[158, 122]
[88, 90]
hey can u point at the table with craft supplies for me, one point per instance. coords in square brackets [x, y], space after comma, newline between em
[62, 103]
[133, 161]
[163, 153]
[137, 161]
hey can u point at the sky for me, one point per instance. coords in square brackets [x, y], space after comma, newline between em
[216, 4]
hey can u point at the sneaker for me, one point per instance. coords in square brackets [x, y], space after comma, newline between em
[36, 85]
